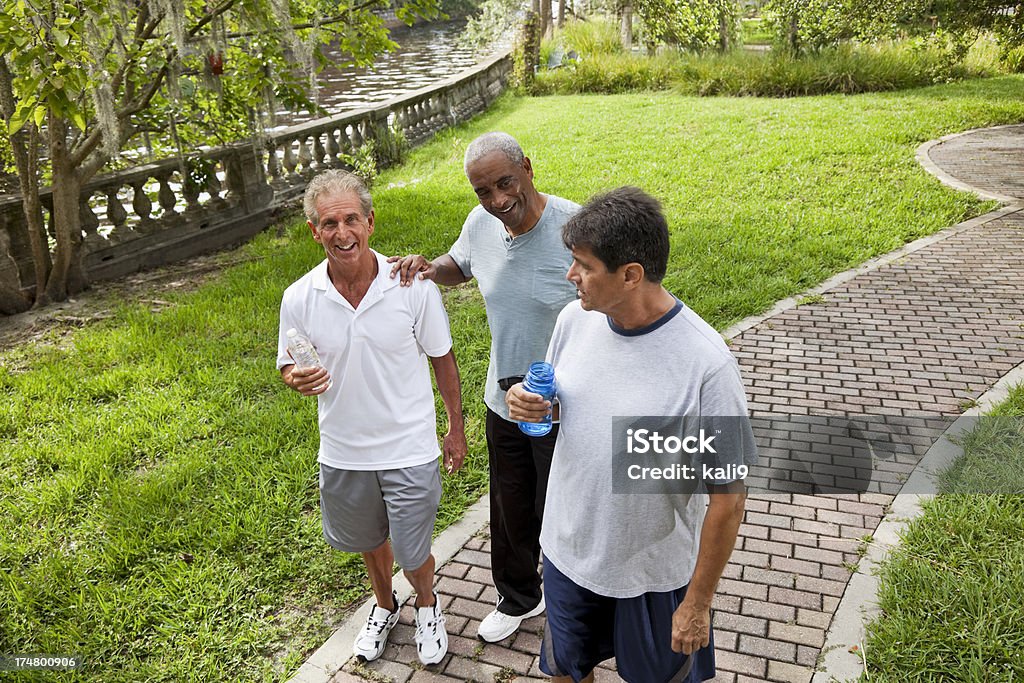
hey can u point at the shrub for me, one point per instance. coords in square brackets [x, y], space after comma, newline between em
[592, 38]
[608, 74]
[847, 69]
[1013, 60]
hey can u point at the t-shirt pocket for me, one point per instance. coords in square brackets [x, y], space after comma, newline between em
[550, 286]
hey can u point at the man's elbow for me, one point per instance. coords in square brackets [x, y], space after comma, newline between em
[729, 500]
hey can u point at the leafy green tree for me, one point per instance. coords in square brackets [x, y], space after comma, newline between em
[689, 24]
[812, 24]
[81, 78]
[1004, 18]
[493, 20]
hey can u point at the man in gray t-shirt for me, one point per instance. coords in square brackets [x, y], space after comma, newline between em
[512, 245]
[630, 569]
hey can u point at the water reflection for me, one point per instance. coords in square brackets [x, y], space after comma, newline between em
[427, 54]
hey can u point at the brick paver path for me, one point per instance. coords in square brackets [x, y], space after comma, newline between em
[989, 159]
[922, 336]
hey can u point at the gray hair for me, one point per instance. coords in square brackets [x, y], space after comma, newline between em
[334, 182]
[493, 142]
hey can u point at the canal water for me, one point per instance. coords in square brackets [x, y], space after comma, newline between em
[426, 54]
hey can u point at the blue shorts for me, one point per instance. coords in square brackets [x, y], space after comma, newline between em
[584, 629]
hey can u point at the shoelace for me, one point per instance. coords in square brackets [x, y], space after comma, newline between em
[503, 618]
[378, 625]
[421, 627]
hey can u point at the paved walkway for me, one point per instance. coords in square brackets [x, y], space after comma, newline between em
[923, 334]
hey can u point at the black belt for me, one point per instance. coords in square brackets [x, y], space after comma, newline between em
[507, 383]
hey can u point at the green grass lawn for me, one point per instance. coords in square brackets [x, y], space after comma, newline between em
[951, 594]
[159, 496]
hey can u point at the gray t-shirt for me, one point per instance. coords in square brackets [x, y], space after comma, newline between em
[523, 284]
[624, 544]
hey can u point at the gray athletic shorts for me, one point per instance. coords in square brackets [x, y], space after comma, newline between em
[360, 508]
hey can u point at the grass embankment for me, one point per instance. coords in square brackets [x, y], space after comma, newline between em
[159, 496]
[951, 594]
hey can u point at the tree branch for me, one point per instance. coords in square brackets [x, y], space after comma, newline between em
[143, 100]
[206, 19]
[326, 22]
[295, 27]
[6, 90]
[143, 32]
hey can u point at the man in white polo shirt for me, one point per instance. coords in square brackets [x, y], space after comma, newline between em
[378, 441]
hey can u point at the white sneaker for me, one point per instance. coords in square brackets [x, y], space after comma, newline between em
[498, 625]
[431, 638]
[371, 642]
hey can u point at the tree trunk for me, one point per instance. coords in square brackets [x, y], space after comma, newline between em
[67, 277]
[626, 26]
[545, 17]
[527, 53]
[11, 298]
[723, 30]
[793, 34]
[561, 12]
[29, 184]
[25, 149]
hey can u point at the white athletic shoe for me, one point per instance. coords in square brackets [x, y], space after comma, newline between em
[498, 625]
[431, 638]
[372, 641]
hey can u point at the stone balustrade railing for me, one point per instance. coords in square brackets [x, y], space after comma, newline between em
[160, 212]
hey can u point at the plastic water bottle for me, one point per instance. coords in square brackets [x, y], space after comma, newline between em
[303, 352]
[539, 380]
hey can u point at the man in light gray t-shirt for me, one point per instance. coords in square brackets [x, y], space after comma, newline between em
[512, 245]
[630, 570]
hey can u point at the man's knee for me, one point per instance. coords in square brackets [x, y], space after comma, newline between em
[426, 568]
[381, 552]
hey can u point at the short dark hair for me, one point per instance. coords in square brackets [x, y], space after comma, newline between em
[623, 226]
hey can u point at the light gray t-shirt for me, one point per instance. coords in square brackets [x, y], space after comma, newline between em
[523, 284]
[624, 544]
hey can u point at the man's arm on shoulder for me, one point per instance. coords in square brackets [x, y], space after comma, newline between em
[447, 271]
[446, 373]
[691, 622]
[443, 270]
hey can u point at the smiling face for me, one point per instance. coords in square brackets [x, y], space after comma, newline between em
[343, 230]
[505, 190]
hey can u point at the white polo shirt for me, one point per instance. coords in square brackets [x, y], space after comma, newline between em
[379, 413]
